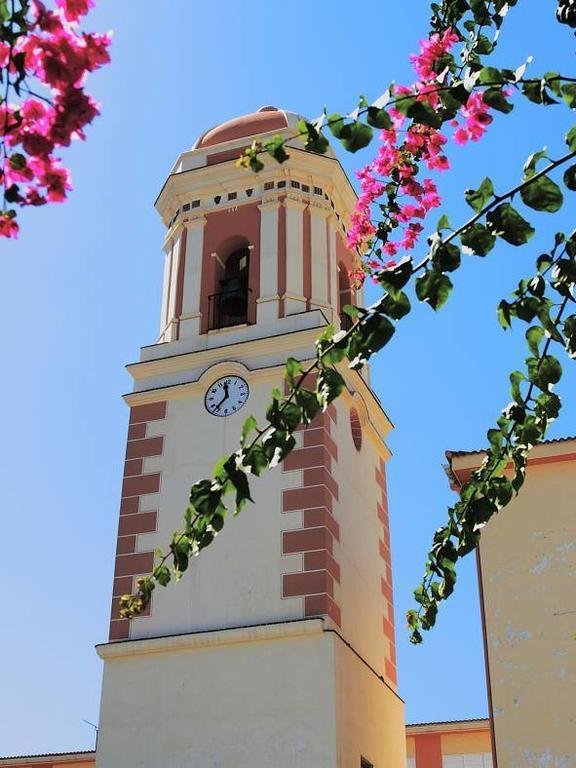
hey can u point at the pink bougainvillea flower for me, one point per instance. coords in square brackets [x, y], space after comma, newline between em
[57, 55]
[75, 9]
[8, 226]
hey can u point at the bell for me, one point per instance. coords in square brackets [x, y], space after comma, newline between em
[233, 299]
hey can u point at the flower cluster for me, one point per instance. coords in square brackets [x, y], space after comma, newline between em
[55, 56]
[404, 147]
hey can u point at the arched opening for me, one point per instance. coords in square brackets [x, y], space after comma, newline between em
[356, 428]
[345, 296]
[228, 305]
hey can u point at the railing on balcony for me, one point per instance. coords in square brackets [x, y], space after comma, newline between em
[345, 322]
[229, 307]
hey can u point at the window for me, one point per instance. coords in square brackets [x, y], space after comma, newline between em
[281, 184]
[229, 306]
[195, 203]
[186, 207]
[217, 199]
[318, 190]
[232, 195]
[305, 188]
[268, 185]
[365, 763]
[356, 428]
[295, 184]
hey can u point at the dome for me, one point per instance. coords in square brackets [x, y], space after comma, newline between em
[266, 119]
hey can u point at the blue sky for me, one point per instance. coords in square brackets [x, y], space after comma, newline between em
[80, 293]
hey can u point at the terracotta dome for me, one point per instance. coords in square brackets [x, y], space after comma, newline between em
[264, 120]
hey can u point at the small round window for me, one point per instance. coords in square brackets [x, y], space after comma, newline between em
[356, 428]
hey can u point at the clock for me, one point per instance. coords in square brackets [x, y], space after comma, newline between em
[226, 396]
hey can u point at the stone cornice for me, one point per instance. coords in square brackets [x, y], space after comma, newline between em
[210, 639]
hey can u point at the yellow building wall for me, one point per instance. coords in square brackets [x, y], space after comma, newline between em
[528, 567]
[370, 715]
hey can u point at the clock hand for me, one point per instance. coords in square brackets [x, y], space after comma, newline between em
[217, 408]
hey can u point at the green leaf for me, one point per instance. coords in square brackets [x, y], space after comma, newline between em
[424, 114]
[330, 385]
[570, 139]
[249, 426]
[479, 198]
[373, 333]
[570, 178]
[396, 277]
[162, 575]
[276, 148]
[434, 288]
[544, 372]
[533, 91]
[336, 123]
[543, 194]
[534, 336]
[550, 403]
[395, 304]
[17, 162]
[354, 135]
[446, 257]
[516, 379]
[314, 141]
[569, 329]
[495, 98]
[478, 239]
[292, 370]
[504, 314]
[443, 223]
[491, 75]
[569, 94]
[505, 222]
[379, 118]
[530, 164]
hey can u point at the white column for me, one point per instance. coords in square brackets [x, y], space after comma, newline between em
[267, 304]
[333, 264]
[190, 317]
[171, 328]
[319, 251]
[294, 299]
[168, 245]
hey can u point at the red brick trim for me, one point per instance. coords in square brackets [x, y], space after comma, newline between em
[315, 501]
[386, 580]
[137, 484]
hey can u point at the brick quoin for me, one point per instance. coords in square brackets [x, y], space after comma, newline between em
[315, 499]
[141, 485]
[315, 605]
[149, 412]
[307, 583]
[149, 446]
[386, 581]
[136, 431]
[134, 521]
[134, 564]
[133, 467]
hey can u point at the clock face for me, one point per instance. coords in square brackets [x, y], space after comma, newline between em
[226, 396]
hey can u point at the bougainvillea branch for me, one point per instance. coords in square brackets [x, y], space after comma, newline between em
[462, 94]
[45, 58]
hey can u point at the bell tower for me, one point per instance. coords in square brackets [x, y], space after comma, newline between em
[277, 647]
